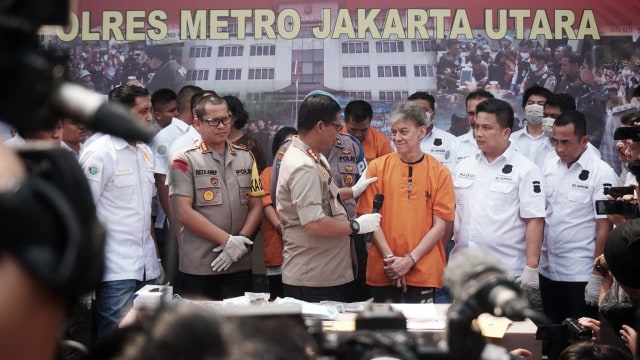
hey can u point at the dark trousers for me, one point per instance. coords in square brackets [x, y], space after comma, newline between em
[215, 287]
[317, 294]
[563, 299]
[359, 288]
[414, 294]
[275, 286]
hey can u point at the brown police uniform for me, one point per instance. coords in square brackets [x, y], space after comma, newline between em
[305, 193]
[220, 186]
[343, 159]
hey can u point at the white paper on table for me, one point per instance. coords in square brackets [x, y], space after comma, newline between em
[421, 316]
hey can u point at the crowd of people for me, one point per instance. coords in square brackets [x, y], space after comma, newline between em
[214, 178]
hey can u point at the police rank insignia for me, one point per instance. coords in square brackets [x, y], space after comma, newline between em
[584, 175]
[536, 187]
[348, 180]
[507, 169]
[348, 168]
[346, 151]
[145, 155]
[208, 195]
[437, 141]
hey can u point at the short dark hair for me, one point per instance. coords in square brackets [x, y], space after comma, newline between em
[197, 96]
[160, 52]
[208, 100]
[565, 102]
[501, 109]
[535, 90]
[358, 111]
[526, 42]
[279, 137]
[590, 350]
[573, 117]
[539, 54]
[163, 96]
[184, 96]
[478, 95]
[573, 58]
[316, 108]
[630, 118]
[423, 95]
[451, 42]
[127, 94]
[237, 109]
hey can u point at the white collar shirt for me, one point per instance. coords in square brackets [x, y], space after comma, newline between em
[190, 136]
[570, 227]
[441, 145]
[467, 146]
[120, 177]
[535, 148]
[492, 202]
[162, 142]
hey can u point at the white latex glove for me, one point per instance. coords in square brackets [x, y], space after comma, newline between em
[361, 185]
[222, 262]
[529, 278]
[592, 290]
[237, 246]
[368, 223]
[161, 279]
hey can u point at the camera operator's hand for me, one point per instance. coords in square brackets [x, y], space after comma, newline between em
[359, 187]
[592, 290]
[530, 278]
[593, 325]
[368, 223]
[616, 219]
[521, 353]
[630, 337]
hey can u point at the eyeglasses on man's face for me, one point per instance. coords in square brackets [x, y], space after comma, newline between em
[224, 120]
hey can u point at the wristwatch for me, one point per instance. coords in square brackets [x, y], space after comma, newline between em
[599, 268]
[355, 227]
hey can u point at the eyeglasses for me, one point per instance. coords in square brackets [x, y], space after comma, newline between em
[338, 126]
[225, 120]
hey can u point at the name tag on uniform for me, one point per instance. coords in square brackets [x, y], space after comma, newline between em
[124, 171]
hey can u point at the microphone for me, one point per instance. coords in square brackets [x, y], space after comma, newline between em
[378, 199]
[477, 279]
[91, 109]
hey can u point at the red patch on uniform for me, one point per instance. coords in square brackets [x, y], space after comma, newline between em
[180, 165]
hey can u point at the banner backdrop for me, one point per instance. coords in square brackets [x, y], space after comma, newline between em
[271, 53]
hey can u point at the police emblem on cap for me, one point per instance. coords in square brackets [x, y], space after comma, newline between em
[346, 151]
[348, 180]
[536, 187]
[507, 169]
[215, 182]
[584, 175]
[437, 141]
[208, 195]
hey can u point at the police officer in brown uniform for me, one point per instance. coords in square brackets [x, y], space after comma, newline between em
[317, 260]
[216, 194]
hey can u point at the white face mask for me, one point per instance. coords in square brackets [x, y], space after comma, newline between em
[428, 120]
[524, 55]
[534, 113]
[547, 126]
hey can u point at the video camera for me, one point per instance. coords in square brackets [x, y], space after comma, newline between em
[627, 133]
[628, 209]
[559, 336]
